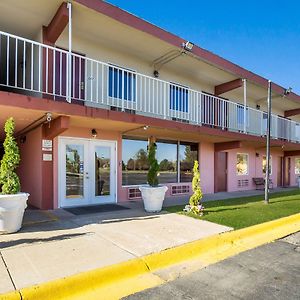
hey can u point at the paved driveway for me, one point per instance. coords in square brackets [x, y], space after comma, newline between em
[270, 272]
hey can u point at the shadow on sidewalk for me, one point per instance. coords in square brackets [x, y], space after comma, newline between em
[17, 242]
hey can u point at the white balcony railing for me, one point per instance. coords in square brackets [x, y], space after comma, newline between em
[39, 69]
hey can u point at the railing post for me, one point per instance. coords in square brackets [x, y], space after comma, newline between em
[245, 104]
[69, 57]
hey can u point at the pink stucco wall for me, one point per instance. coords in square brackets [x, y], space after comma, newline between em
[254, 167]
[206, 162]
[30, 169]
[206, 165]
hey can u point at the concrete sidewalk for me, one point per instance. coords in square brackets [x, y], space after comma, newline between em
[55, 244]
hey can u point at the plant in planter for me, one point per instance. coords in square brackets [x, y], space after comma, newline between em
[154, 194]
[12, 202]
[195, 205]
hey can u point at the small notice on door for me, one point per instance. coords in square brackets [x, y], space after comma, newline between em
[47, 157]
[46, 145]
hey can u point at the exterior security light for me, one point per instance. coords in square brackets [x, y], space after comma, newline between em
[94, 133]
[287, 91]
[188, 46]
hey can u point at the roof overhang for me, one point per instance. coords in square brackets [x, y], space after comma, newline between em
[205, 55]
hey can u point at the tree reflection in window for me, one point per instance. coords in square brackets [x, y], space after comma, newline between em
[188, 153]
[135, 165]
[74, 171]
[242, 164]
[134, 162]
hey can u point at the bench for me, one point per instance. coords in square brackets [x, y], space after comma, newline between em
[260, 183]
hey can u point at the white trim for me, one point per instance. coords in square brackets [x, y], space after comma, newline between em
[88, 144]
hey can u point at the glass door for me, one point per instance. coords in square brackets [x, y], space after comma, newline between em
[73, 172]
[87, 172]
[104, 172]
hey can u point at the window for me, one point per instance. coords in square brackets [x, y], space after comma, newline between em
[297, 166]
[240, 115]
[179, 98]
[134, 161]
[242, 164]
[121, 84]
[171, 156]
[264, 164]
[166, 155]
[188, 153]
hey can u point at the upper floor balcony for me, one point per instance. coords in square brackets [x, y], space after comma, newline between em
[33, 68]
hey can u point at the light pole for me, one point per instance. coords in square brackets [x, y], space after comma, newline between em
[267, 179]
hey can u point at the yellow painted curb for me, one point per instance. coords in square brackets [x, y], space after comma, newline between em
[11, 296]
[116, 281]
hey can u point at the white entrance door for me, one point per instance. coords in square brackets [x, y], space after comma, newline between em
[87, 172]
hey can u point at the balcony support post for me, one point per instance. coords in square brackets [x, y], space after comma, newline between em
[268, 142]
[69, 60]
[245, 104]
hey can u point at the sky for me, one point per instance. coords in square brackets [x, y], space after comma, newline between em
[261, 36]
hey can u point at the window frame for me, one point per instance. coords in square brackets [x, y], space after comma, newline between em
[177, 143]
[242, 153]
[296, 158]
[271, 164]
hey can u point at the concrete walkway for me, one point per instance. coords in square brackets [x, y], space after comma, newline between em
[55, 244]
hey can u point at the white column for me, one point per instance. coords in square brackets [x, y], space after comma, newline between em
[245, 104]
[69, 60]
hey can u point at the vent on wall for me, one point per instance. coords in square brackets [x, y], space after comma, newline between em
[134, 193]
[243, 183]
[180, 189]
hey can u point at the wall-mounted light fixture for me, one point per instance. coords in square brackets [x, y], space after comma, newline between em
[169, 56]
[257, 154]
[287, 91]
[94, 133]
[155, 73]
[258, 106]
[188, 46]
[23, 139]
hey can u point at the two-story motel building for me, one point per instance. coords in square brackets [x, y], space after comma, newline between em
[89, 83]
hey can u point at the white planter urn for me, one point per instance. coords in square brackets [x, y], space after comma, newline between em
[12, 209]
[153, 197]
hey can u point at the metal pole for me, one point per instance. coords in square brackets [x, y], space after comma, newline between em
[267, 179]
[245, 104]
[69, 60]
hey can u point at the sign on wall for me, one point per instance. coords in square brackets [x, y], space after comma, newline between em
[47, 157]
[46, 145]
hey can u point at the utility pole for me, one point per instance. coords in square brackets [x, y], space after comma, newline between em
[267, 178]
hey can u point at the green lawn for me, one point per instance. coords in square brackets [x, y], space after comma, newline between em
[243, 212]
